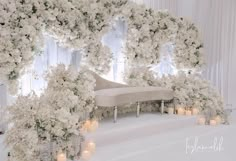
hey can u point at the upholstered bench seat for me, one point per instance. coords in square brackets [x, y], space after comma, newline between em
[119, 96]
[112, 94]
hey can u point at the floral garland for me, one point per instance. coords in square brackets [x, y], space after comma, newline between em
[55, 118]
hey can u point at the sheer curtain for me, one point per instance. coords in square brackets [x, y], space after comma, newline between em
[115, 40]
[33, 80]
[52, 55]
[216, 20]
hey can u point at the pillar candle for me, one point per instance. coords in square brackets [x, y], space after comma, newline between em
[171, 111]
[218, 119]
[86, 155]
[195, 111]
[188, 113]
[91, 146]
[181, 111]
[201, 121]
[93, 126]
[213, 122]
[87, 124]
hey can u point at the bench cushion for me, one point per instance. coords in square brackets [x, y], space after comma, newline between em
[120, 96]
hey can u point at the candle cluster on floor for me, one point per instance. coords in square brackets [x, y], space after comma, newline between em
[88, 147]
[213, 121]
[202, 120]
[186, 111]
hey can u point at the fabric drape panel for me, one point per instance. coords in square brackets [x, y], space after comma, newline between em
[115, 39]
[53, 54]
[216, 20]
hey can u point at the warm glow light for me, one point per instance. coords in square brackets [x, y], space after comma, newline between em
[93, 126]
[201, 121]
[213, 122]
[181, 111]
[86, 155]
[61, 157]
[91, 147]
[218, 119]
[87, 124]
[195, 111]
[188, 113]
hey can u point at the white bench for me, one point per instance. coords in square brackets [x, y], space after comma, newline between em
[111, 94]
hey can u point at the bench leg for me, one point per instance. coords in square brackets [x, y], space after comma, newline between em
[162, 106]
[175, 102]
[138, 109]
[115, 114]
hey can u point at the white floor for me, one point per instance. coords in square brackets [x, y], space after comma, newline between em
[153, 137]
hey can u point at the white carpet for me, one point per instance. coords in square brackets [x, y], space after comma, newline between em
[153, 137]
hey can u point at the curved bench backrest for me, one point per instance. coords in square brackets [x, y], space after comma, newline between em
[102, 83]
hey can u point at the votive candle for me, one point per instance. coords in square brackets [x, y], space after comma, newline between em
[86, 155]
[201, 121]
[181, 111]
[91, 146]
[213, 122]
[61, 157]
[195, 111]
[188, 113]
[218, 119]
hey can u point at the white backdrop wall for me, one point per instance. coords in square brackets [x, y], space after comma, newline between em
[216, 20]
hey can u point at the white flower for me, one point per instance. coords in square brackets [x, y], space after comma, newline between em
[56, 116]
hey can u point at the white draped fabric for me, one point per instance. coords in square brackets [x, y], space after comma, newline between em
[53, 54]
[215, 18]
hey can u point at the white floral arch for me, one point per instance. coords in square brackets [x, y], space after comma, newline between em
[80, 24]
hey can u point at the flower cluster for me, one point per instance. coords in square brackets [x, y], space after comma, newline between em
[23, 135]
[139, 76]
[188, 46]
[20, 32]
[190, 90]
[147, 31]
[99, 57]
[55, 117]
